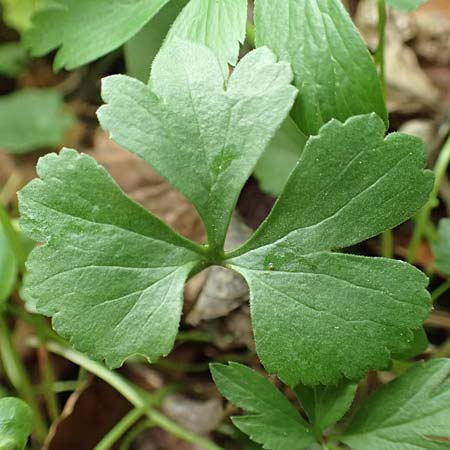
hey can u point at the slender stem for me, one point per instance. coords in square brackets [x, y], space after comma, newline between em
[387, 244]
[13, 238]
[133, 395]
[250, 34]
[380, 53]
[440, 170]
[18, 377]
[134, 433]
[110, 439]
[440, 290]
[48, 380]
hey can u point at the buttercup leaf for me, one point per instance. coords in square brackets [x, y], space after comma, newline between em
[270, 420]
[412, 412]
[350, 184]
[16, 423]
[204, 139]
[84, 30]
[218, 24]
[334, 72]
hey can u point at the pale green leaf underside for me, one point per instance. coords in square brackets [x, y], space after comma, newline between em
[218, 24]
[16, 423]
[318, 315]
[32, 119]
[334, 72]
[441, 247]
[410, 413]
[111, 274]
[8, 267]
[203, 138]
[270, 419]
[84, 30]
[406, 5]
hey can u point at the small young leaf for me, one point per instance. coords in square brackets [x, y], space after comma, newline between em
[17, 13]
[16, 423]
[203, 139]
[8, 267]
[441, 247]
[326, 405]
[349, 312]
[218, 24]
[32, 119]
[280, 157]
[334, 72]
[84, 30]
[111, 274]
[271, 420]
[418, 345]
[406, 5]
[13, 57]
[411, 412]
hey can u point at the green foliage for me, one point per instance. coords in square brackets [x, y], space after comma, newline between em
[280, 157]
[349, 185]
[333, 69]
[441, 247]
[271, 420]
[32, 119]
[84, 30]
[141, 50]
[17, 13]
[112, 275]
[8, 267]
[13, 58]
[16, 423]
[326, 405]
[218, 24]
[412, 412]
[406, 5]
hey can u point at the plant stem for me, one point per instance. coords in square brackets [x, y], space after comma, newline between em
[13, 238]
[441, 290]
[380, 53]
[135, 397]
[250, 34]
[119, 429]
[133, 434]
[18, 377]
[440, 169]
[48, 380]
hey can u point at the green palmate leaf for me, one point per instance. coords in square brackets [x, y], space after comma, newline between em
[141, 50]
[8, 267]
[334, 71]
[406, 5]
[218, 24]
[111, 273]
[13, 58]
[32, 119]
[16, 423]
[326, 405]
[441, 247]
[84, 30]
[270, 420]
[201, 137]
[280, 157]
[410, 413]
[318, 315]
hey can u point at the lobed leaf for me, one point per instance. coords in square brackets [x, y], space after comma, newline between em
[334, 72]
[218, 24]
[84, 30]
[350, 313]
[204, 139]
[271, 420]
[111, 274]
[16, 423]
[410, 413]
